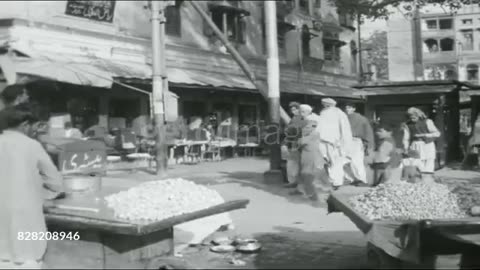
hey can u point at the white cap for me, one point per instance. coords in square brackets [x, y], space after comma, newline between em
[306, 107]
[329, 101]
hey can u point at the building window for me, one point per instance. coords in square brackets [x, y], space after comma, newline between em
[173, 20]
[467, 40]
[345, 20]
[472, 72]
[331, 52]
[431, 24]
[431, 45]
[446, 44]
[305, 41]
[450, 75]
[446, 24]
[318, 3]
[467, 22]
[233, 25]
[303, 6]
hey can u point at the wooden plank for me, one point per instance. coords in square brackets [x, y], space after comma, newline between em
[170, 222]
[340, 203]
[134, 248]
[102, 222]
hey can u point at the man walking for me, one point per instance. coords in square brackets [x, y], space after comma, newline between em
[293, 133]
[335, 140]
[362, 144]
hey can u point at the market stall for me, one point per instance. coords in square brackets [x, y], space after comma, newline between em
[105, 239]
[396, 241]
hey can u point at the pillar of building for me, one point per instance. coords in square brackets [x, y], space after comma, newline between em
[104, 103]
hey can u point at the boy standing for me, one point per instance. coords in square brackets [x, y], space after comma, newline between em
[386, 160]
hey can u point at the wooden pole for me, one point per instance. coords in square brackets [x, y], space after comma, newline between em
[237, 57]
[158, 76]
[273, 71]
[360, 60]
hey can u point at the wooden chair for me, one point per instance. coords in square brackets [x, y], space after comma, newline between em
[214, 151]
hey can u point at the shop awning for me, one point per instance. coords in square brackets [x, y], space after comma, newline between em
[103, 73]
[320, 90]
[403, 90]
[90, 72]
[210, 79]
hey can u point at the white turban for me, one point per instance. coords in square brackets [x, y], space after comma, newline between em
[306, 108]
[417, 112]
[329, 101]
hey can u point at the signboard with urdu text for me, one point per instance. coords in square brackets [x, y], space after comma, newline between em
[94, 10]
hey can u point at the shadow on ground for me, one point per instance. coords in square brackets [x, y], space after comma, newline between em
[292, 248]
[256, 180]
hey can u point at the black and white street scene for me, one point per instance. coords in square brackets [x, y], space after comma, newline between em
[290, 134]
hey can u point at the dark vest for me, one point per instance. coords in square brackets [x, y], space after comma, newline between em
[419, 127]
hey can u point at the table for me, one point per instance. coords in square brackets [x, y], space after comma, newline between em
[223, 144]
[412, 243]
[108, 242]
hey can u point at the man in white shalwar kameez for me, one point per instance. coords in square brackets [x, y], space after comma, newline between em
[335, 140]
[23, 165]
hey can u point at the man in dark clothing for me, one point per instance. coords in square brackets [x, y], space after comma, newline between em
[363, 143]
[293, 134]
[12, 96]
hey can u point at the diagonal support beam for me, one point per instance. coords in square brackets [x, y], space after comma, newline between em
[261, 86]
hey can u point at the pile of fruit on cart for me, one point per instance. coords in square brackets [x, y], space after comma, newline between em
[158, 200]
[416, 201]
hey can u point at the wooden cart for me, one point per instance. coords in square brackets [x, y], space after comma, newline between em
[411, 244]
[109, 243]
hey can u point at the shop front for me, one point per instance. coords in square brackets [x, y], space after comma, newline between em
[388, 103]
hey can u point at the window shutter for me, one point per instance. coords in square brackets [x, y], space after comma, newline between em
[242, 30]
[173, 23]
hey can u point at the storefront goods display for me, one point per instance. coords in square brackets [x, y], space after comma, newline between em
[408, 201]
[159, 200]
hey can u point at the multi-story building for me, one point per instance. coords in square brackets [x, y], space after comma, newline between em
[447, 46]
[90, 55]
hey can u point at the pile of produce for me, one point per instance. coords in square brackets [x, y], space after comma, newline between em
[468, 197]
[408, 201]
[158, 200]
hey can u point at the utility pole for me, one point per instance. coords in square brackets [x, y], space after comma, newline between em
[273, 72]
[158, 82]
[417, 47]
[360, 60]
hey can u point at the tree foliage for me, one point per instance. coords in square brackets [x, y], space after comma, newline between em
[379, 9]
[377, 53]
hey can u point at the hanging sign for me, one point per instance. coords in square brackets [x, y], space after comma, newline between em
[93, 10]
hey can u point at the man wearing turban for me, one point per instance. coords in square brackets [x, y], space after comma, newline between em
[419, 134]
[335, 140]
[290, 148]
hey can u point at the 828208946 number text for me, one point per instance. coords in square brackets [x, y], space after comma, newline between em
[35, 236]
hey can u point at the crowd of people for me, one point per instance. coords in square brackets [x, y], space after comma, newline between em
[336, 148]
